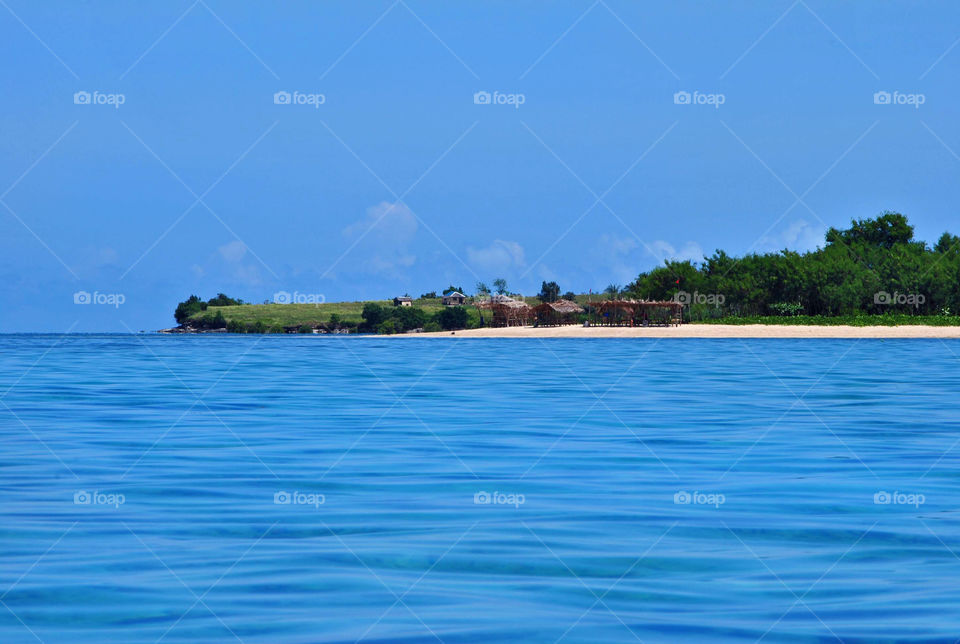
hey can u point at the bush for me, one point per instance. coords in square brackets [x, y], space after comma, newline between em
[432, 327]
[452, 318]
[373, 315]
[786, 308]
[223, 300]
[407, 318]
[188, 307]
[305, 328]
[387, 328]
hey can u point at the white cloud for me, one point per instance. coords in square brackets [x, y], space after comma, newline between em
[385, 233]
[231, 265]
[389, 221]
[501, 255]
[798, 235]
[663, 250]
[233, 252]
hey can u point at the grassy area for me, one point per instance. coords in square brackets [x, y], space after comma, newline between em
[894, 319]
[281, 315]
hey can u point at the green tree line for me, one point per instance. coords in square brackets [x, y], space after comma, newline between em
[873, 267]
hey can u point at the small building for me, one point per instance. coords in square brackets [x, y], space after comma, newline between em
[557, 313]
[511, 313]
[642, 312]
[454, 298]
[403, 300]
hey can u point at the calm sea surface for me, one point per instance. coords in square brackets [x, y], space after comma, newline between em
[327, 489]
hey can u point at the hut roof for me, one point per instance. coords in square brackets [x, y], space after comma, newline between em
[561, 306]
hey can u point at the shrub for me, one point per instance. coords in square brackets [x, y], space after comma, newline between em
[432, 327]
[386, 328]
[188, 307]
[235, 326]
[407, 318]
[786, 308]
[373, 315]
[452, 318]
[223, 300]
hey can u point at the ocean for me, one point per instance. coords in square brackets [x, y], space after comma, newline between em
[290, 489]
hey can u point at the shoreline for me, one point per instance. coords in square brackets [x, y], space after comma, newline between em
[701, 331]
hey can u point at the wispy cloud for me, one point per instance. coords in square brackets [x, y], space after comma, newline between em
[501, 255]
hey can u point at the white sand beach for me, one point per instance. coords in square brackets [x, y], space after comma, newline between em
[701, 331]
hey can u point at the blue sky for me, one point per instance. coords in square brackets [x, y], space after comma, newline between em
[399, 182]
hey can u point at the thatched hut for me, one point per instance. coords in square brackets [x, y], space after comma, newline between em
[506, 311]
[557, 313]
[642, 312]
[511, 313]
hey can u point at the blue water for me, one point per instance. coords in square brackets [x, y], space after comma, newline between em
[144, 481]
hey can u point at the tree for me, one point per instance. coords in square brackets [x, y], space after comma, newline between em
[373, 314]
[223, 300]
[429, 296]
[452, 318]
[613, 290]
[482, 289]
[188, 307]
[500, 285]
[549, 292]
[406, 318]
[452, 288]
[569, 295]
[885, 231]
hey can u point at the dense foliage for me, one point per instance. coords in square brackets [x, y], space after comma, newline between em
[873, 267]
[400, 319]
[194, 304]
[549, 292]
